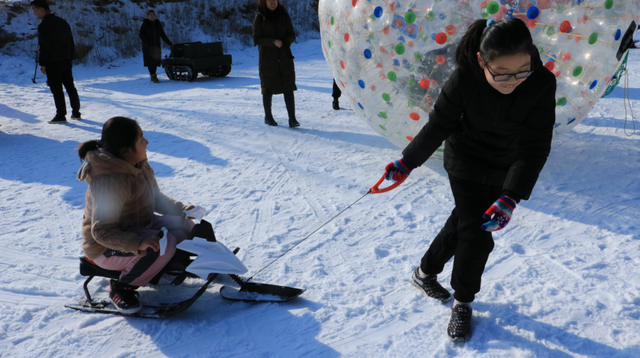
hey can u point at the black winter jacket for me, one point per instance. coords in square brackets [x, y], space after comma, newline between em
[491, 138]
[277, 71]
[150, 34]
[55, 40]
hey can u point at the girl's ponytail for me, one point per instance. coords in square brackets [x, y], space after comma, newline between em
[86, 147]
[119, 134]
[470, 44]
[501, 38]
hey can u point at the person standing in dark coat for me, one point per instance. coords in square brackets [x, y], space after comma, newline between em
[56, 46]
[336, 95]
[496, 113]
[151, 32]
[273, 34]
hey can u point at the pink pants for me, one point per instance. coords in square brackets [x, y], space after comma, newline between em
[138, 271]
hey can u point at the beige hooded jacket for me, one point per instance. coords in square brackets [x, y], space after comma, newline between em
[120, 197]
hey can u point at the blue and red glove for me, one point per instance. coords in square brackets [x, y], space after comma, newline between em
[501, 210]
[398, 170]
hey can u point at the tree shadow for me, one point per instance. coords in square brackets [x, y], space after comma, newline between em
[144, 87]
[6, 111]
[166, 143]
[619, 92]
[494, 329]
[58, 166]
[374, 141]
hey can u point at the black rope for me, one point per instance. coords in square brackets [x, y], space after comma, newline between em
[291, 248]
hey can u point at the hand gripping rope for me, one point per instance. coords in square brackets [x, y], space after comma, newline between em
[373, 190]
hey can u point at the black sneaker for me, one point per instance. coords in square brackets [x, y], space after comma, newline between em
[58, 119]
[459, 329]
[336, 104]
[124, 297]
[76, 116]
[270, 121]
[430, 286]
[294, 123]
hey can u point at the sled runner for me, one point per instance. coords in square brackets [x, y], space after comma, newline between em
[204, 257]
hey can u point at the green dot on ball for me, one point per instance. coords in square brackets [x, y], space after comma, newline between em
[410, 17]
[577, 71]
[493, 7]
[608, 4]
[386, 97]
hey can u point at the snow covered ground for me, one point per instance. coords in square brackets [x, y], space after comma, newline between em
[563, 280]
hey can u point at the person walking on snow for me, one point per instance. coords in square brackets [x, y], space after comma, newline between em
[150, 33]
[273, 33]
[120, 226]
[55, 42]
[496, 113]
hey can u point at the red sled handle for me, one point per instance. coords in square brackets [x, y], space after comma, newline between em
[375, 190]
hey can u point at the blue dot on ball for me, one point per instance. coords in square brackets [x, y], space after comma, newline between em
[533, 12]
[593, 84]
[360, 105]
[361, 83]
[378, 12]
[367, 53]
[617, 35]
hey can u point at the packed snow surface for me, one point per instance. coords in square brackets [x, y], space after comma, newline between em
[562, 281]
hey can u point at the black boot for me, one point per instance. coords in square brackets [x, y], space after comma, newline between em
[430, 286]
[336, 104]
[266, 103]
[459, 329]
[124, 297]
[289, 101]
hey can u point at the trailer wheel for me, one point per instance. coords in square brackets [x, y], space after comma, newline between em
[169, 72]
[191, 74]
[221, 71]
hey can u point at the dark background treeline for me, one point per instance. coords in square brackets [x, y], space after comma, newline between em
[108, 29]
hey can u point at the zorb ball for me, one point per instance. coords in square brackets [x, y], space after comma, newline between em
[392, 58]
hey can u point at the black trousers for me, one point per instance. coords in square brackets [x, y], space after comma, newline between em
[152, 69]
[60, 74]
[462, 238]
[336, 90]
[289, 101]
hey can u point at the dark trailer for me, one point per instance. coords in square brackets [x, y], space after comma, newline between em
[189, 59]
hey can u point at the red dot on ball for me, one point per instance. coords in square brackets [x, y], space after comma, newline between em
[565, 26]
[441, 38]
[424, 83]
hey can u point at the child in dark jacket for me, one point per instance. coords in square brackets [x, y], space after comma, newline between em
[120, 227]
[496, 113]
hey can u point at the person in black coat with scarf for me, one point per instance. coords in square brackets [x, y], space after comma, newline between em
[151, 32]
[273, 34]
[56, 46]
[496, 113]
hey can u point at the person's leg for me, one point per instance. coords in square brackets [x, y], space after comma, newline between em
[153, 74]
[442, 248]
[74, 99]
[289, 101]
[267, 98]
[54, 78]
[336, 94]
[474, 244]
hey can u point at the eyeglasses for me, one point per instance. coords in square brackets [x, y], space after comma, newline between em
[507, 76]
